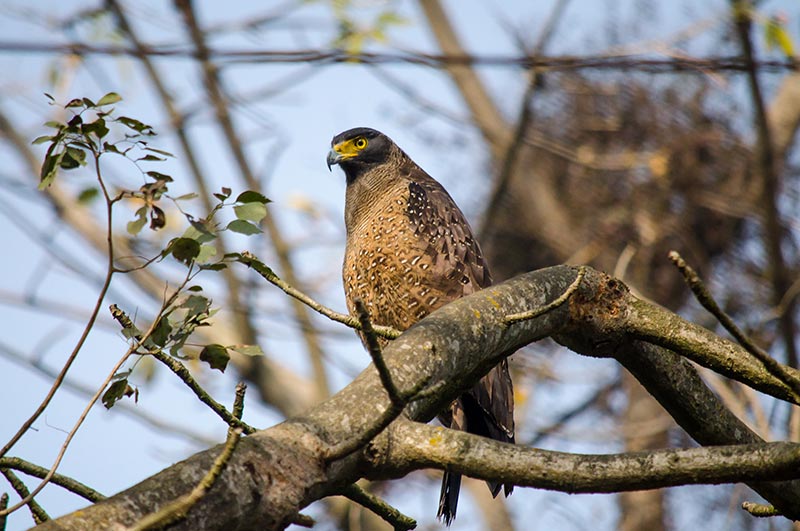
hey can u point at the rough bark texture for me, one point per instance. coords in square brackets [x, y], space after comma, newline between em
[276, 472]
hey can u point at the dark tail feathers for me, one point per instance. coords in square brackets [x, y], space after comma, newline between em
[448, 499]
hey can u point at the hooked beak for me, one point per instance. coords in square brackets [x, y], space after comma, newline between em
[334, 157]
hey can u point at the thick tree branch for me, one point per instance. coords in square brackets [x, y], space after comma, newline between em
[276, 472]
[705, 298]
[410, 446]
[661, 327]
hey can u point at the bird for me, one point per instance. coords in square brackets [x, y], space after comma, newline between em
[409, 251]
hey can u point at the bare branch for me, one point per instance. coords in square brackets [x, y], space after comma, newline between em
[765, 158]
[109, 234]
[216, 94]
[267, 274]
[536, 312]
[708, 302]
[699, 65]
[61, 480]
[389, 514]
[177, 510]
[37, 512]
[277, 472]
[183, 373]
[410, 446]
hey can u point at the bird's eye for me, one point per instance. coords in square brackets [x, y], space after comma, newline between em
[360, 142]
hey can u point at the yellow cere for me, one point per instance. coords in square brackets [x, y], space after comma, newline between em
[350, 148]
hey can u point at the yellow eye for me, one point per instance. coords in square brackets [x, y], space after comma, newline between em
[360, 142]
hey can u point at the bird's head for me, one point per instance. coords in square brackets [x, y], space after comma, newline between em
[356, 150]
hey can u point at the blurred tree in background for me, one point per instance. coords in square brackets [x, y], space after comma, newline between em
[570, 132]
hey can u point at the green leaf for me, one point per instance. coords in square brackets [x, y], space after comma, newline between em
[195, 288]
[75, 102]
[160, 152]
[216, 356]
[196, 304]
[247, 350]
[116, 391]
[250, 211]
[73, 158]
[108, 99]
[225, 193]
[205, 254]
[158, 176]
[42, 140]
[136, 125]
[98, 127]
[217, 266]
[184, 249]
[50, 168]
[250, 196]
[161, 332]
[186, 197]
[198, 231]
[152, 158]
[54, 124]
[89, 103]
[243, 227]
[74, 122]
[135, 227]
[88, 195]
[111, 148]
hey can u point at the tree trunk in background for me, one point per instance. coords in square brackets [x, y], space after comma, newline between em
[644, 425]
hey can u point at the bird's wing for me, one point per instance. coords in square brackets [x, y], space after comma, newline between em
[445, 237]
[458, 262]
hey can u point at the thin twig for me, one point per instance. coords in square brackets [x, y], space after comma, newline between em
[513, 148]
[183, 373]
[233, 284]
[581, 408]
[760, 510]
[3, 504]
[536, 312]
[177, 509]
[765, 156]
[374, 349]
[89, 324]
[389, 514]
[61, 480]
[238, 404]
[259, 267]
[698, 65]
[707, 301]
[398, 399]
[138, 414]
[37, 512]
[215, 90]
[303, 520]
[131, 350]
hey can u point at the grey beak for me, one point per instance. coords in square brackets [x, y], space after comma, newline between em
[333, 158]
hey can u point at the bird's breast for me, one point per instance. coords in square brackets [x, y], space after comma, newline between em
[385, 266]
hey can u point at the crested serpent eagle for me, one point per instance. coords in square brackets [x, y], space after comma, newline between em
[409, 251]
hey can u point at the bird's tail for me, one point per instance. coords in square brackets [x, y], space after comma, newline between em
[448, 499]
